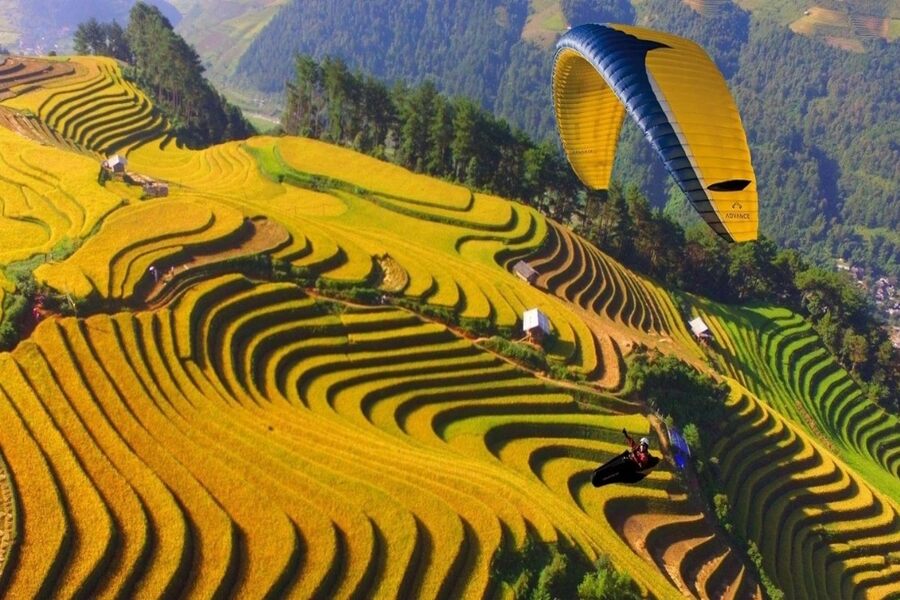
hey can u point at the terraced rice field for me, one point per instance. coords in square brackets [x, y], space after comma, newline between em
[29, 126]
[451, 263]
[243, 436]
[572, 268]
[8, 517]
[98, 109]
[837, 535]
[138, 239]
[778, 356]
[19, 73]
[46, 196]
[622, 309]
[229, 427]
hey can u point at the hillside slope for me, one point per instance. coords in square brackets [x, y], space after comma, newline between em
[285, 390]
[222, 33]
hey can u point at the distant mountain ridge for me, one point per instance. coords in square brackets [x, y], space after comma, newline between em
[39, 26]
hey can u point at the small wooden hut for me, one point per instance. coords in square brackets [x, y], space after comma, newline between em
[525, 271]
[536, 324]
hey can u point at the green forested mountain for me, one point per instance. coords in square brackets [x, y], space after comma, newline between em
[464, 45]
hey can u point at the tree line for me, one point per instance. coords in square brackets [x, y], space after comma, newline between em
[169, 69]
[427, 132]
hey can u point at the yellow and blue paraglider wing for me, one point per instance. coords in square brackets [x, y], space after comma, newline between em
[678, 98]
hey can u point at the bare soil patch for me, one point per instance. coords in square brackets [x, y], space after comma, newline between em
[544, 24]
[263, 235]
[706, 7]
[845, 43]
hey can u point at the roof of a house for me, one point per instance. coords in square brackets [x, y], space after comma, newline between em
[523, 268]
[698, 326]
[533, 319]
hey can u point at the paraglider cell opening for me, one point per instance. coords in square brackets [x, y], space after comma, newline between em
[731, 185]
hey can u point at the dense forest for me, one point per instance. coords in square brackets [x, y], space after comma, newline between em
[169, 69]
[463, 45]
[821, 121]
[454, 138]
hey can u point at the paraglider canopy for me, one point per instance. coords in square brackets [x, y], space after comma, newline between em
[678, 98]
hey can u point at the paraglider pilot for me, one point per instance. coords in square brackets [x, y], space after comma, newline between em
[626, 467]
[640, 452]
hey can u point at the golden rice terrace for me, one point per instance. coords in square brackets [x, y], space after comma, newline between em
[205, 416]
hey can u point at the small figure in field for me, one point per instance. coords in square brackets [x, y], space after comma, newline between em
[640, 452]
[37, 311]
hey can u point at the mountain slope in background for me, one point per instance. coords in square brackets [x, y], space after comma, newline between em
[222, 31]
[462, 44]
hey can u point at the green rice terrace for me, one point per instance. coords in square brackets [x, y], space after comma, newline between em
[278, 379]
